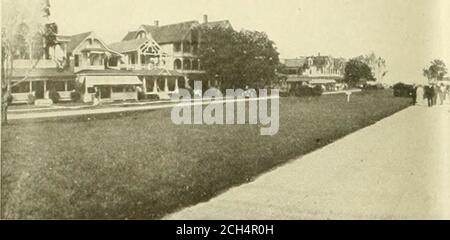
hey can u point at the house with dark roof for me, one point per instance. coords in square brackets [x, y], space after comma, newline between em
[325, 71]
[159, 59]
[77, 59]
[178, 42]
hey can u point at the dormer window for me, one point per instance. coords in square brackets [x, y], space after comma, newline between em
[141, 35]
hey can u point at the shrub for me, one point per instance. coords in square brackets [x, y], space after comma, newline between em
[31, 98]
[306, 91]
[317, 90]
[75, 96]
[54, 96]
[153, 97]
[141, 96]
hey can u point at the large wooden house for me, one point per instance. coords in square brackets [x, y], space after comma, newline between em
[175, 47]
[155, 59]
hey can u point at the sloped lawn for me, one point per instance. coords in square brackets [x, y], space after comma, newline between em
[142, 166]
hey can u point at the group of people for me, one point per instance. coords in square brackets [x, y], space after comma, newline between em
[431, 95]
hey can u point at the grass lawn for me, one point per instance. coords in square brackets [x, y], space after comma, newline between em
[141, 166]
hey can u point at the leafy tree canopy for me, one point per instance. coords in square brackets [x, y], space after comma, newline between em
[239, 59]
[436, 71]
[356, 71]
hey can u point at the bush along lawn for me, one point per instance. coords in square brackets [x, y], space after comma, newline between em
[142, 166]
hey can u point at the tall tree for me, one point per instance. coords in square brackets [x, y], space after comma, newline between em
[436, 71]
[356, 71]
[377, 65]
[238, 59]
[26, 32]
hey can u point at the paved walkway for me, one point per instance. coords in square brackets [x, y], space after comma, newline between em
[398, 168]
[76, 111]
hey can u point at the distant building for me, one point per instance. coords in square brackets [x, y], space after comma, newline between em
[314, 70]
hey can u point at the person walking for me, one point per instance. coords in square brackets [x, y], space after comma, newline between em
[435, 93]
[442, 93]
[420, 95]
[446, 94]
[414, 94]
[428, 90]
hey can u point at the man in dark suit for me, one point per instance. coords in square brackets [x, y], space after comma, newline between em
[414, 94]
[428, 92]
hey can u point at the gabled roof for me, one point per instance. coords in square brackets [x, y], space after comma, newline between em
[76, 40]
[127, 46]
[130, 36]
[223, 24]
[170, 33]
[174, 32]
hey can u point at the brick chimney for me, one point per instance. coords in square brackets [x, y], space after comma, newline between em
[205, 18]
[156, 23]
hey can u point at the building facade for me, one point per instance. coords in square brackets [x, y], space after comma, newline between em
[324, 71]
[154, 59]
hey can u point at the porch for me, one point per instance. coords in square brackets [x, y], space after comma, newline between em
[30, 90]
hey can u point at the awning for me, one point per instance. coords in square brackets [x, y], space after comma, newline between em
[111, 80]
[322, 81]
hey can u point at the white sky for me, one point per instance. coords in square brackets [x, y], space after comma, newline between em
[407, 33]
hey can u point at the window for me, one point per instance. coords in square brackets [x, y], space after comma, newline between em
[123, 88]
[133, 58]
[23, 87]
[70, 85]
[177, 64]
[195, 65]
[195, 48]
[77, 60]
[177, 47]
[113, 61]
[186, 47]
[181, 82]
[141, 35]
[150, 83]
[187, 64]
[56, 86]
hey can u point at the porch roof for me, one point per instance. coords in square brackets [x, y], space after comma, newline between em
[111, 80]
[158, 72]
[42, 73]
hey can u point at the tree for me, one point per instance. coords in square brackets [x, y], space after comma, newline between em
[238, 59]
[436, 71]
[376, 64]
[26, 32]
[355, 71]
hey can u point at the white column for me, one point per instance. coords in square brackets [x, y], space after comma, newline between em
[186, 82]
[144, 83]
[155, 85]
[139, 59]
[31, 87]
[166, 85]
[65, 86]
[45, 89]
[176, 84]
